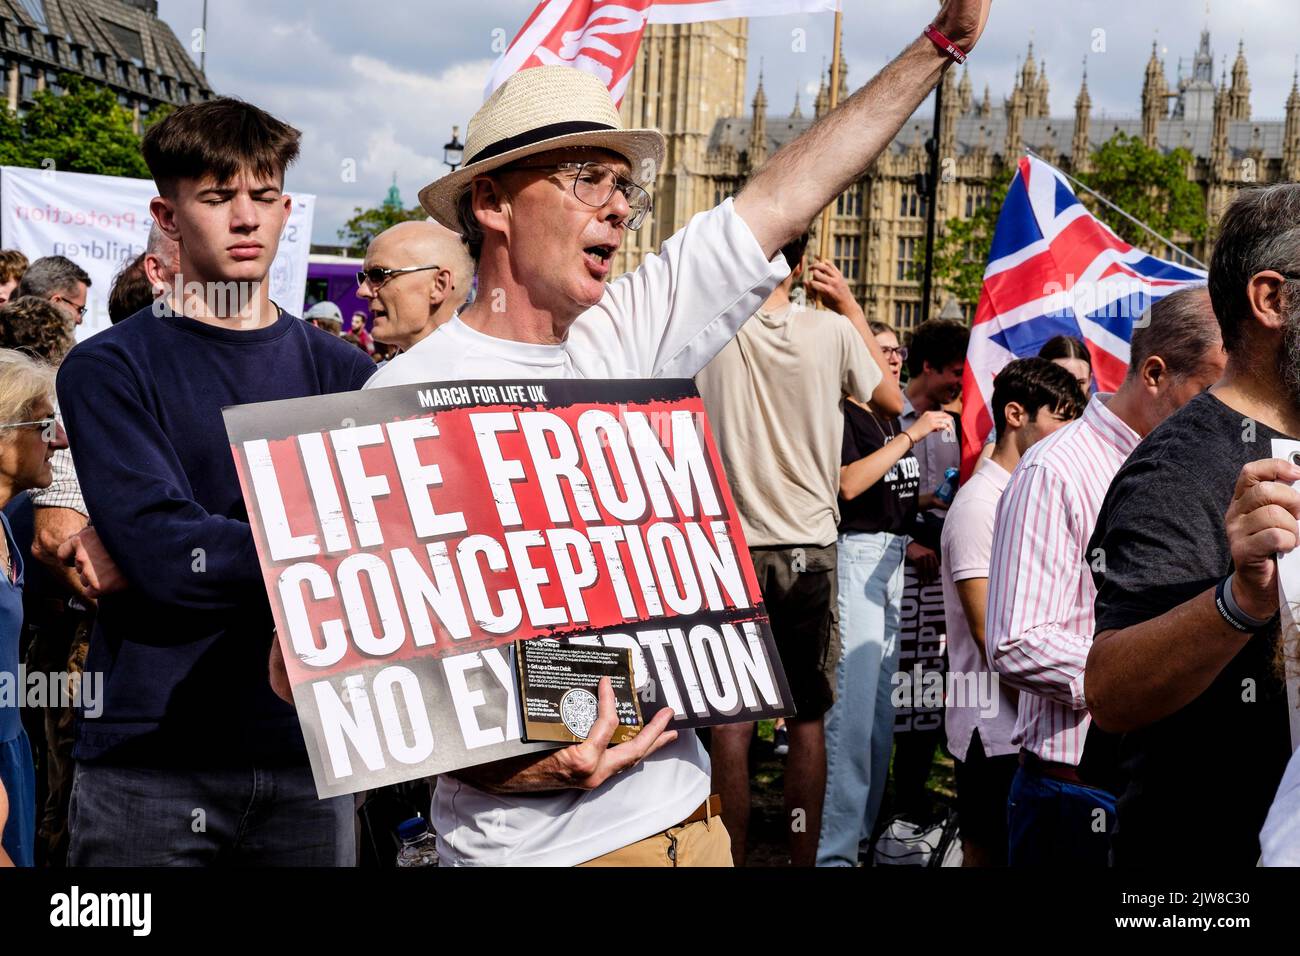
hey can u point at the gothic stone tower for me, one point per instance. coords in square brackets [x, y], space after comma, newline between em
[687, 77]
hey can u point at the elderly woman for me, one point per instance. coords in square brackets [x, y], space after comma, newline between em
[29, 435]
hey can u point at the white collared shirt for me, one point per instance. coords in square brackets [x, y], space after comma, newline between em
[1040, 620]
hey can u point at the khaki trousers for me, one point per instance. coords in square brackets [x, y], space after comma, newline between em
[702, 843]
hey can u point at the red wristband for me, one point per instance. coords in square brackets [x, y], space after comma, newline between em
[946, 46]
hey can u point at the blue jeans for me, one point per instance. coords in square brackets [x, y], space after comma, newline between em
[1052, 823]
[860, 724]
[151, 816]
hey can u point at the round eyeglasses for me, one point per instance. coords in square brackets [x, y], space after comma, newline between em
[595, 184]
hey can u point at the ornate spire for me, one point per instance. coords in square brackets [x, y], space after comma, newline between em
[1041, 106]
[1239, 65]
[952, 110]
[1240, 85]
[1154, 66]
[760, 98]
[758, 128]
[1154, 102]
[797, 112]
[1203, 64]
[964, 91]
[1291, 131]
[1080, 148]
[986, 104]
[1029, 73]
[1020, 98]
[1219, 134]
[822, 103]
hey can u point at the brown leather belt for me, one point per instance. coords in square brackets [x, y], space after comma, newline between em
[1047, 768]
[711, 807]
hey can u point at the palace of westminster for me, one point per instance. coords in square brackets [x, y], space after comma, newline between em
[689, 82]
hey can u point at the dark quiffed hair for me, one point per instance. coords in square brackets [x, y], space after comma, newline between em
[12, 265]
[38, 327]
[131, 291]
[939, 342]
[1065, 347]
[218, 138]
[1181, 329]
[1035, 383]
[882, 328]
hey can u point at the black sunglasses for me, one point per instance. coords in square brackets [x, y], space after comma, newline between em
[378, 275]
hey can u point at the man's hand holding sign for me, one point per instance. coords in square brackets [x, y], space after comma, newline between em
[583, 766]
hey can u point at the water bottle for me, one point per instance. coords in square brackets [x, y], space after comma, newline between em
[418, 844]
[948, 490]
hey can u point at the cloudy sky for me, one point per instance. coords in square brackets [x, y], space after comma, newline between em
[377, 86]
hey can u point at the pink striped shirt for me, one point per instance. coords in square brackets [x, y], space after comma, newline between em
[1040, 618]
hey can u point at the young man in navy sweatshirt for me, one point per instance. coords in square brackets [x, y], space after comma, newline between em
[194, 760]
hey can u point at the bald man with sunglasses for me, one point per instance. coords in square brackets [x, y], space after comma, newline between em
[415, 276]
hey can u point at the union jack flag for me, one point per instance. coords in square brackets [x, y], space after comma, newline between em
[1054, 269]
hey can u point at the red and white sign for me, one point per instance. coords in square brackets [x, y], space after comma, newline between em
[602, 36]
[409, 536]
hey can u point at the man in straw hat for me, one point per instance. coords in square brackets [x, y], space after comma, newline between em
[548, 191]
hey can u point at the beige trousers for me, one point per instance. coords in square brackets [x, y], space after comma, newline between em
[702, 843]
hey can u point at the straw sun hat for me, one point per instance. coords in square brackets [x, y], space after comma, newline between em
[536, 110]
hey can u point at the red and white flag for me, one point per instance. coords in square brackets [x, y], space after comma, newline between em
[602, 36]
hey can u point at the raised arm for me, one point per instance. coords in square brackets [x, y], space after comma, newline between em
[858, 476]
[792, 187]
[1140, 674]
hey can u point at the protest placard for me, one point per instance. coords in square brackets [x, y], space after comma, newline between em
[1288, 599]
[408, 536]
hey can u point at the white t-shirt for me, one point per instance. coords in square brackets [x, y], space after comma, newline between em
[790, 366]
[667, 319]
[986, 704]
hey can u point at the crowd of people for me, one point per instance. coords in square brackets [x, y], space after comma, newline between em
[1108, 568]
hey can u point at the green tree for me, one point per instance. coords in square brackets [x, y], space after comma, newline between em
[1149, 185]
[11, 151]
[365, 224]
[83, 130]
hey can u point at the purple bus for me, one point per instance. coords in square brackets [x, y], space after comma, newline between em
[334, 278]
